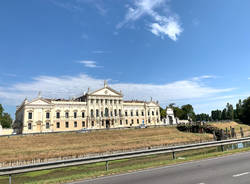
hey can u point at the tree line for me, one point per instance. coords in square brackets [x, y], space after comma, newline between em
[241, 112]
[5, 118]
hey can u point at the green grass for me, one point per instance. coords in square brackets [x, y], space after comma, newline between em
[115, 167]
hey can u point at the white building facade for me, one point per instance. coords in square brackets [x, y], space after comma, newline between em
[101, 109]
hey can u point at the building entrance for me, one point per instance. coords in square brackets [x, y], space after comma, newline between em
[107, 123]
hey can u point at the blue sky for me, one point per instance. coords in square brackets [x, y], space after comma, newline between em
[173, 50]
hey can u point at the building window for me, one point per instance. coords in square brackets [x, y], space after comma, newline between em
[111, 101]
[126, 121]
[119, 101]
[93, 123]
[149, 121]
[58, 115]
[106, 112]
[120, 122]
[75, 124]
[83, 124]
[137, 121]
[132, 121]
[106, 101]
[102, 122]
[101, 113]
[101, 101]
[137, 113]
[131, 113]
[83, 114]
[126, 113]
[66, 124]
[29, 126]
[57, 125]
[30, 115]
[115, 101]
[47, 125]
[142, 113]
[75, 114]
[120, 112]
[47, 115]
[153, 113]
[66, 114]
[97, 113]
[92, 101]
[157, 113]
[115, 112]
[97, 101]
[111, 113]
[148, 113]
[92, 113]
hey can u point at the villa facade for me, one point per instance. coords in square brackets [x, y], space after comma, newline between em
[101, 109]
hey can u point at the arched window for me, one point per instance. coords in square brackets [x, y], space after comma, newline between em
[106, 112]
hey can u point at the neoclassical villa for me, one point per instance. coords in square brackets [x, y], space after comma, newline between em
[101, 109]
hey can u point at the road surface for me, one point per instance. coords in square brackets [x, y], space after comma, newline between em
[233, 169]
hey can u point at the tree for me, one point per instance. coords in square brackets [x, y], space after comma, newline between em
[163, 113]
[5, 118]
[216, 115]
[238, 110]
[245, 111]
[178, 112]
[230, 112]
[224, 114]
[188, 112]
[1, 111]
[202, 117]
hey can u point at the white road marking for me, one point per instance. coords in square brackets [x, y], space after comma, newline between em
[241, 174]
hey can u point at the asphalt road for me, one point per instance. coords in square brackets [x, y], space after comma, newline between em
[234, 169]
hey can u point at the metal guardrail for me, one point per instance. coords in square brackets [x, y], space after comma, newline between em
[117, 156]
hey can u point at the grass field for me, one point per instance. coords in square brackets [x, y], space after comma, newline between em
[30, 147]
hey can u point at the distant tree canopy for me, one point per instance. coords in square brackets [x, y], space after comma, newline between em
[5, 118]
[240, 113]
[243, 111]
[182, 113]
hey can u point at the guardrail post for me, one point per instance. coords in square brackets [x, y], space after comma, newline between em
[10, 179]
[173, 155]
[222, 147]
[107, 165]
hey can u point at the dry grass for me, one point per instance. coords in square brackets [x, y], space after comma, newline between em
[20, 148]
[224, 125]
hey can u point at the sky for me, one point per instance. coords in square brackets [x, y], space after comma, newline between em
[175, 51]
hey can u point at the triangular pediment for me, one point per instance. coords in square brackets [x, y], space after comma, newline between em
[152, 104]
[39, 101]
[106, 91]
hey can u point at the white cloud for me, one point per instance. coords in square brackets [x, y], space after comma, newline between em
[204, 77]
[248, 78]
[69, 86]
[161, 25]
[100, 52]
[89, 64]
